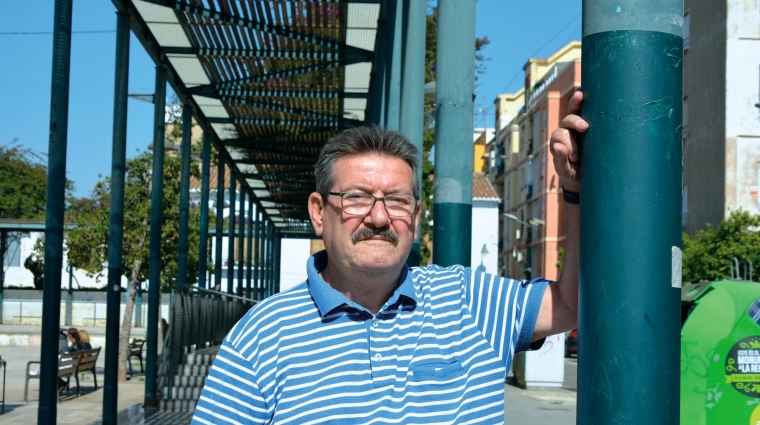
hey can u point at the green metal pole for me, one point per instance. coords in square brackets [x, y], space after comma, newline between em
[3, 244]
[55, 205]
[205, 176]
[156, 219]
[116, 226]
[241, 243]
[631, 188]
[270, 269]
[257, 255]
[249, 257]
[184, 195]
[267, 260]
[376, 107]
[278, 257]
[69, 297]
[393, 46]
[231, 233]
[413, 92]
[219, 224]
[453, 132]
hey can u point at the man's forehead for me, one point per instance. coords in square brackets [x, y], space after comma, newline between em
[349, 162]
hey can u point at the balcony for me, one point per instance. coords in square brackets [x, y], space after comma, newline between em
[529, 190]
[529, 150]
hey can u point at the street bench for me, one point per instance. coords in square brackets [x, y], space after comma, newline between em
[67, 366]
[136, 350]
[87, 362]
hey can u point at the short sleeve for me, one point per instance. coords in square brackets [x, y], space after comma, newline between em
[231, 394]
[505, 310]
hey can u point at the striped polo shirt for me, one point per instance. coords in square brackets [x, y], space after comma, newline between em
[437, 352]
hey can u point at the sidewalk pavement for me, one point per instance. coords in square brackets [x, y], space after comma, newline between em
[540, 407]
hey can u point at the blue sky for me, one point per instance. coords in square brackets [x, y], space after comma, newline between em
[517, 29]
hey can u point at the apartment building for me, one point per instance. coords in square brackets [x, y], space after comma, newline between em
[721, 115]
[532, 224]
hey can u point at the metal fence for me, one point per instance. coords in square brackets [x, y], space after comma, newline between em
[199, 318]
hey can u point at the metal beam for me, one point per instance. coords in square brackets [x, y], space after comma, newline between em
[259, 53]
[272, 162]
[286, 109]
[258, 26]
[268, 76]
[392, 41]
[312, 94]
[184, 196]
[241, 244]
[205, 176]
[231, 230]
[219, 223]
[275, 122]
[154, 265]
[116, 221]
[54, 213]
[249, 254]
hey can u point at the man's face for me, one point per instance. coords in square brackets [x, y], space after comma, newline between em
[353, 242]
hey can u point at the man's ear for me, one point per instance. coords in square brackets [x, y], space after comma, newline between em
[316, 208]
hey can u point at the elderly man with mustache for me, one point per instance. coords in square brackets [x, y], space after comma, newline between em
[366, 339]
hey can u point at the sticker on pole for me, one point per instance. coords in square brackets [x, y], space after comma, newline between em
[675, 267]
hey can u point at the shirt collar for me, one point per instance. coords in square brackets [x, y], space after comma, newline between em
[328, 299]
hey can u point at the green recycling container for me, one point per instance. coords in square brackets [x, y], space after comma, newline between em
[720, 354]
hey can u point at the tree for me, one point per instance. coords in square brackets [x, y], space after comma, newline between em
[707, 255]
[87, 241]
[428, 135]
[23, 191]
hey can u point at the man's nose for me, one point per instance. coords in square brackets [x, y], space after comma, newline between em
[378, 215]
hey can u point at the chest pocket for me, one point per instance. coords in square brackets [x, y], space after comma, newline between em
[439, 371]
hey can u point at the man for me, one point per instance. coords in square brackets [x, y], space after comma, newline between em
[365, 339]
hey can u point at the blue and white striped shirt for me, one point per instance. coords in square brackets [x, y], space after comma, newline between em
[437, 352]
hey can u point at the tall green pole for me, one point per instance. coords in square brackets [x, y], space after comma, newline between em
[267, 259]
[184, 195]
[393, 46]
[277, 256]
[69, 297]
[218, 250]
[413, 92]
[270, 269]
[630, 246]
[205, 176]
[156, 218]
[249, 256]
[257, 254]
[241, 243]
[116, 222]
[455, 75]
[231, 232]
[377, 94]
[55, 205]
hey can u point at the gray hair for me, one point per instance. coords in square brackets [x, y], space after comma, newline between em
[364, 140]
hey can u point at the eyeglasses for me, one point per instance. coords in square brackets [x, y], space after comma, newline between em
[360, 203]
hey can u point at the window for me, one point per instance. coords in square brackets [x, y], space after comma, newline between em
[12, 256]
[686, 23]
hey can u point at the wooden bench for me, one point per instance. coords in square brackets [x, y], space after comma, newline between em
[67, 366]
[136, 350]
[87, 362]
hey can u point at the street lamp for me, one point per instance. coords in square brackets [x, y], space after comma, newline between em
[533, 222]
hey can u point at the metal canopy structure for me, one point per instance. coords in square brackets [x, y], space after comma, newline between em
[270, 80]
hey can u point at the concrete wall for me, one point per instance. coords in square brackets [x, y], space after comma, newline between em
[295, 254]
[704, 89]
[485, 231]
[742, 116]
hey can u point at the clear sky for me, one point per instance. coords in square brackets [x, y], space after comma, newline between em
[517, 29]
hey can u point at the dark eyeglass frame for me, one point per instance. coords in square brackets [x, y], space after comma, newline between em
[374, 201]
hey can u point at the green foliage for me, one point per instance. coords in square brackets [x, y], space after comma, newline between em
[428, 135]
[23, 183]
[708, 254]
[561, 258]
[87, 242]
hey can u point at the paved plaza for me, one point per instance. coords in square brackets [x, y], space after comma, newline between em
[526, 407]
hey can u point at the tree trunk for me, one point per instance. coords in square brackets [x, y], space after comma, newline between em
[126, 322]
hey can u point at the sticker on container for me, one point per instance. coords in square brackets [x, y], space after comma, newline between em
[675, 267]
[743, 366]
[754, 311]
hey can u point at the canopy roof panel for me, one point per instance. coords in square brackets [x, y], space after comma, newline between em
[271, 79]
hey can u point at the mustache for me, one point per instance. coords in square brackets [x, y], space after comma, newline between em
[368, 232]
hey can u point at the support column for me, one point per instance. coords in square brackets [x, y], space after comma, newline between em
[249, 257]
[376, 106]
[69, 297]
[184, 195]
[278, 256]
[231, 232]
[116, 222]
[56, 193]
[393, 32]
[631, 197]
[220, 177]
[453, 132]
[413, 93]
[156, 221]
[257, 255]
[3, 245]
[205, 176]
[241, 243]
[266, 262]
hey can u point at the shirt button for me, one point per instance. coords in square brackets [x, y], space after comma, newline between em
[378, 357]
[374, 323]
